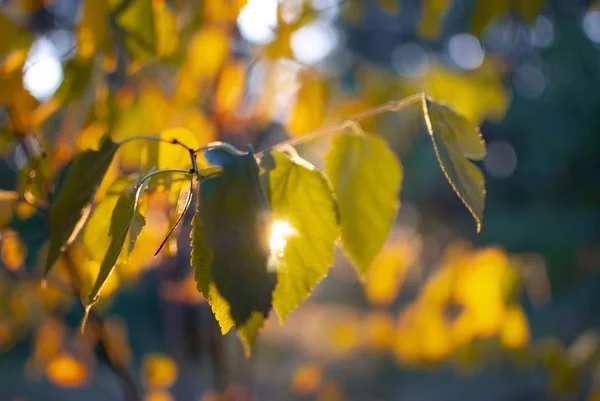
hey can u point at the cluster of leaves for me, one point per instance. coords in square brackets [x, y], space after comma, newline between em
[265, 227]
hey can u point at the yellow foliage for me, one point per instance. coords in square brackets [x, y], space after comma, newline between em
[306, 379]
[515, 328]
[345, 336]
[477, 94]
[48, 340]
[12, 250]
[207, 52]
[165, 25]
[474, 283]
[66, 371]
[159, 371]
[159, 395]
[230, 90]
[8, 202]
[92, 30]
[433, 13]
[390, 6]
[223, 11]
[308, 113]
[380, 330]
[387, 273]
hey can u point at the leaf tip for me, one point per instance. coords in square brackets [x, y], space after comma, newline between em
[84, 320]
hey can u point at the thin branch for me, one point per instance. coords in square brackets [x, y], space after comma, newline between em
[347, 122]
[157, 139]
[188, 201]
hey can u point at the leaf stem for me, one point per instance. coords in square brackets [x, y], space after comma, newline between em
[141, 186]
[348, 122]
[219, 145]
[157, 139]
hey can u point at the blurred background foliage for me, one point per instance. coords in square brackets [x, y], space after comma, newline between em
[510, 314]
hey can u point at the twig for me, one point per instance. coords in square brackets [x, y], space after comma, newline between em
[347, 122]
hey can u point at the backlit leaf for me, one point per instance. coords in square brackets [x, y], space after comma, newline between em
[366, 178]
[230, 241]
[456, 140]
[304, 230]
[120, 223]
[69, 211]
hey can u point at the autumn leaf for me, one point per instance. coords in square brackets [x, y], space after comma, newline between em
[456, 140]
[71, 208]
[304, 231]
[230, 247]
[366, 178]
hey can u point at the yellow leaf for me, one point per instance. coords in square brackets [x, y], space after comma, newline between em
[207, 51]
[12, 250]
[230, 90]
[308, 112]
[433, 13]
[8, 202]
[345, 337]
[167, 36]
[223, 11]
[515, 328]
[386, 275]
[487, 11]
[66, 371]
[306, 378]
[380, 330]
[92, 31]
[159, 371]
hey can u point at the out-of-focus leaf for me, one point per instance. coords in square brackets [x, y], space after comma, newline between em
[390, 6]
[159, 371]
[167, 36]
[308, 112]
[366, 178]
[67, 371]
[456, 140]
[479, 94]
[13, 250]
[433, 13]
[485, 12]
[138, 20]
[530, 8]
[8, 202]
[304, 229]
[230, 247]
[12, 36]
[69, 211]
[93, 28]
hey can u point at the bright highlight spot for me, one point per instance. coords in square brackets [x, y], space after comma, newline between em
[280, 232]
[258, 20]
[43, 70]
[313, 42]
[466, 51]
[591, 25]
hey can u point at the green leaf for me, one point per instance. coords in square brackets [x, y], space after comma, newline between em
[456, 140]
[366, 178]
[122, 216]
[71, 208]
[305, 225]
[230, 247]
